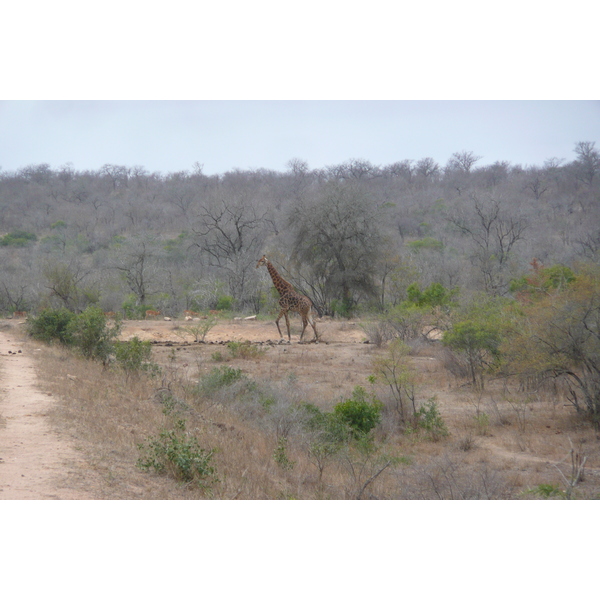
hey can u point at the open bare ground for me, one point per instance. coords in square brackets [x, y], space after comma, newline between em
[36, 460]
[73, 432]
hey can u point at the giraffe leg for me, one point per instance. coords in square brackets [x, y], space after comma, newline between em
[281, 312]
[304, 324]
[287, 322]
[311, 320]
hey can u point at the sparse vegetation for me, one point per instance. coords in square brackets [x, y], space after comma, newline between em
[220, 377]
[360, 413]
[199, 329]
[429, 420]
[87, 331]
[178, 454]
[51, 325]
[245, 350]
[271, 440]
[133, 355]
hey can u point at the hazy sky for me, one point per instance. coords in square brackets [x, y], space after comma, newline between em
[74, 83]
[171, 136]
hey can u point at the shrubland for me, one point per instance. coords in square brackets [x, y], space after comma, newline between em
[489, 272]
[355, 237]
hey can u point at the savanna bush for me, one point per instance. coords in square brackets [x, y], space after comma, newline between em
[361, 413]
[225, 303]
[51, 325]
[219, 377]
[178, 453]
[201, 328]
[352, 418]
[18, 238]
[89, 332]
[245, 350]
[133, 355]
[429, 420]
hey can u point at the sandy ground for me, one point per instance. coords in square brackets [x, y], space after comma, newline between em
[35, 462]
[252, 330]
[328, 369]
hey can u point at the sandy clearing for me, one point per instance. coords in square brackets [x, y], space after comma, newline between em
[35, 462]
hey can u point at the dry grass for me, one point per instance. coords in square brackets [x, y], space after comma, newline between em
[502, 442]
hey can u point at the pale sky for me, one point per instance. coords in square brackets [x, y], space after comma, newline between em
[254, 85]
[169, 136]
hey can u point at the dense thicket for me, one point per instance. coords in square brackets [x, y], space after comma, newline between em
[353, 236]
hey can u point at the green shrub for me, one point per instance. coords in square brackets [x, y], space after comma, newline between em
[328, 432]
[426, 243]
[542, 280]
[280, 455]
[546, 490]
[341, 308]
[434, 295]
[244, 350]
[89, 332]
[134, 355]
[178, 454]
[361, 413]
[18, 238]
[219, 377]
[428, 418]
[225, 303]
[479, 342]
[51, 325]
[353, 418]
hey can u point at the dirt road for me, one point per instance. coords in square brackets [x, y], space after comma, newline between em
[35, 463]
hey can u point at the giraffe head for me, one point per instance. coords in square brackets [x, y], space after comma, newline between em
[262, 261]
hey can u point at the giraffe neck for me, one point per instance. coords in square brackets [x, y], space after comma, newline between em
[281, 285]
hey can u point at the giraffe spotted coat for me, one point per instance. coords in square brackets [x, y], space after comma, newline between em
[289, 300]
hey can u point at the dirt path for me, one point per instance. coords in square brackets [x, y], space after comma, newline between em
[35, 463]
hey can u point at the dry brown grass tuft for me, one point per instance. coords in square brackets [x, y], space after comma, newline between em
[502, 442]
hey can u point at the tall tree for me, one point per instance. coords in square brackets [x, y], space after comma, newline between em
[558, 336]
[231, 232]
[138, 262]
[587, 164]
[463, 160]
[339, 237]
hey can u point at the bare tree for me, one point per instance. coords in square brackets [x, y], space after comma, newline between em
[231, 233]
[138, 263]
[587, 164]
[403, 169]
[118, 175]
[427, 168]
[493, 234]
[14, 295]
[68, 280]
[537, 183]
[463, 160]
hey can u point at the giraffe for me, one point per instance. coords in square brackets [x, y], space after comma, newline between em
[290, 299]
